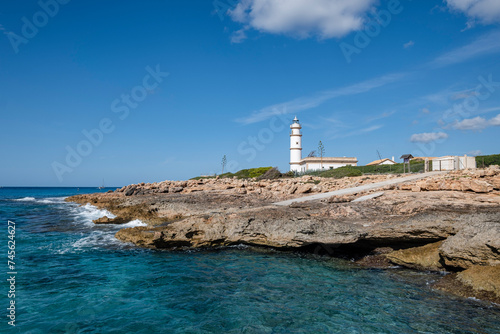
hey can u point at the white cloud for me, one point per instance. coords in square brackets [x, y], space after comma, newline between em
[238, 36]
[485, 11]
[486, 44]
[428, 137]
[309, 102]
[409, 44]
[477, 123]
[303, 18]
[426, 111]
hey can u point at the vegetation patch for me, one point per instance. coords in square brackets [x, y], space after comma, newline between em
[242, 174]
[483, 161]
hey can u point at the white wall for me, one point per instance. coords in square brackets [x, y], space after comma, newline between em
[326, 166]
[454, 163]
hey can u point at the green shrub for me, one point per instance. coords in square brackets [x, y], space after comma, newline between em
[271, 174]
[347, 171]
[488, 160]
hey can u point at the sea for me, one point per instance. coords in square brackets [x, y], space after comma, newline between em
[67, 275]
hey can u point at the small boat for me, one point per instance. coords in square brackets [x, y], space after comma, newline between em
[102, 186]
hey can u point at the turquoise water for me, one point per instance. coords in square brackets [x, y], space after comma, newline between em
[74, 277]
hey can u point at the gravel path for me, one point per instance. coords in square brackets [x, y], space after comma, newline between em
[366, 187]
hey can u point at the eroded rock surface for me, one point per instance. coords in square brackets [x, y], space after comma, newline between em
[447, 222]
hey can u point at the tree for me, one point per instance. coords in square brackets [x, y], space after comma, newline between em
[224, 163]
[312, 154]
[321, 151]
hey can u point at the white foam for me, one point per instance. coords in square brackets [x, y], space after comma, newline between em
[25, 199]
[96, 239]
[52, 200]
[133, 223]
[88, 213]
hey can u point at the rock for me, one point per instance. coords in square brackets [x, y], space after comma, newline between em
[305, 188]
[341, 199]
[480, 186]
[422, 258]
[219, 213]
[477, 243]
[496, 182]
[176, 189]
[472, 284]
[130, 191]
[416, 189]
[292, 189]
[405, 186]
[482, 278]
[106, 220]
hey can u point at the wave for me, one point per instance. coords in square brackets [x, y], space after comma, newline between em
[87, 213]
[25, 199]
[98, 239]
[46, 200]
[133, 223]
[51, 200]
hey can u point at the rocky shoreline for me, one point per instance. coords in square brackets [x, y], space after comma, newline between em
[449, 222]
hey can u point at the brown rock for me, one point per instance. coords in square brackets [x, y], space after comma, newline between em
[480, 186]
[106, 220]
[130, 191]
[406, 186]
[292, 189]
[482, 278]
[176, 189]
[450, 283]
[422, 258]
[305, 188]
[477, 243]
[416, 189]
[495, 182]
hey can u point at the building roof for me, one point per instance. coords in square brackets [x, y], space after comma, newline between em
[406, 156]
[378, 162]
[330, 159]
[423, 158]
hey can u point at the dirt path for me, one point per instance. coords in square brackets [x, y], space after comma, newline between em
[349, 191]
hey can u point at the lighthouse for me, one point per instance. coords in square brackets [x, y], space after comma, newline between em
[295, 146]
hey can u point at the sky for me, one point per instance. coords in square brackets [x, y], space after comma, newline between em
[121, 92]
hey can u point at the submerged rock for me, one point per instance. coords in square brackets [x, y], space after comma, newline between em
[433, 229]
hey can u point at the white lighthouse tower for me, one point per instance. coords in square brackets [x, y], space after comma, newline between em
[295, 146]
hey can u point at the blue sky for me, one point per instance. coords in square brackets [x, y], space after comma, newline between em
[142, 92]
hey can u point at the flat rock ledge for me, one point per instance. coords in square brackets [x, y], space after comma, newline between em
[417, 225]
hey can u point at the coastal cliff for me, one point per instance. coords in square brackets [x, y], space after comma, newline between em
[449, 222]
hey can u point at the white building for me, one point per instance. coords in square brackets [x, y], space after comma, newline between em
[450, 162]
[382, 162]
[297, 164]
